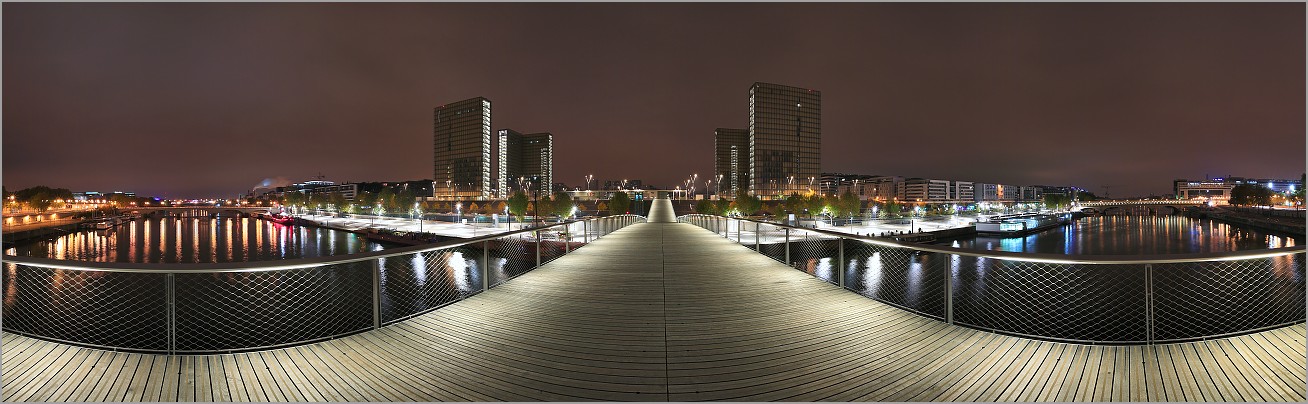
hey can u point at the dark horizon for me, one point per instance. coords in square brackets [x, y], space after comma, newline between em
[208, 100]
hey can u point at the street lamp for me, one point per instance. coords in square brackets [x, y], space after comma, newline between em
[458, 212]
[588, 178]
[419, 214]
[718, 191]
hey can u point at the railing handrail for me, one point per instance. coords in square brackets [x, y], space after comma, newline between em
[1046, 257]
[271, 265]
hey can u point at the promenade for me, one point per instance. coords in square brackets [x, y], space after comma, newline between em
[663, 311]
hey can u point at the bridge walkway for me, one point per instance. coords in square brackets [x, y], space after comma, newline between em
[670, 312]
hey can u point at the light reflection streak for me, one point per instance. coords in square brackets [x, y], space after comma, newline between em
[873, 276]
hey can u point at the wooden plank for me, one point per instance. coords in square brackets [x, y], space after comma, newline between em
[1033, 375]
[1242, 375]
[235, 378]
[197, 366]
[343, 383]
[280, 378]
[1138, 376]
[355, 363]
[98, 390]
[41, 377]
[31, 369]
[1071, 378]
[192, 380]
[254, 390]
[990, 362]
[66, 377]
[263, 376]
[1104, 377]
[1049, 377]
[999, 370]
[92, 370]
[137, 385]
[1267, 369]
[1200, 362]
[398, 351]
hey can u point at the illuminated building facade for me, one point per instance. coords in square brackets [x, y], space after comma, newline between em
[461, 131]
[785, 139]
[731, 163]
[527, 157]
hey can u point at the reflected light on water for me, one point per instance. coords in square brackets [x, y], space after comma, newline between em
[194, 240]
[872, 276]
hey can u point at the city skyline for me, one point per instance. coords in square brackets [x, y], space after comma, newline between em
[202, 100]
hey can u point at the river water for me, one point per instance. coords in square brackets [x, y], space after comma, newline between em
[198, 240]
[1134, 235]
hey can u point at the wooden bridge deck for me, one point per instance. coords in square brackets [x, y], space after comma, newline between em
[670, 312]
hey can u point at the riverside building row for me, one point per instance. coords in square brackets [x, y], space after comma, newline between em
[461, 133]
[912, 189]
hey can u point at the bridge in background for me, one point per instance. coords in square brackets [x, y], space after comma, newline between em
[658, 311]
[1150, 206]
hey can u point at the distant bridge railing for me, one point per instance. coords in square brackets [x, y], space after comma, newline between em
[1094, 299]
[1165, 202]
[229, 307]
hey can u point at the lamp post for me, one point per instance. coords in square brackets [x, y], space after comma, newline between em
[718, 191]
[588, 178]
[419, 214]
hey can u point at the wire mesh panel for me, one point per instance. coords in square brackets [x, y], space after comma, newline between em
[243, 310]
[772, 241]
[417, 283]
[110, 309]
[1078, 302]
[1196, 299]
[815, 254]
[899, 276]
[511, 256]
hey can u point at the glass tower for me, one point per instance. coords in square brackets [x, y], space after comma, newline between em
[463, 149]
[522, 157]
[731, 162]
[785, 139]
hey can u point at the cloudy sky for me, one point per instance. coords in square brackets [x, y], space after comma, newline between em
[197, 100]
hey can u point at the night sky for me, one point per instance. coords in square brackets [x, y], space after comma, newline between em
[198, 100]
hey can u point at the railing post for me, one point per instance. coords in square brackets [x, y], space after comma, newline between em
[170, 297]
[949, 295]
[585, 231]
[1149, 303]
[376, 294]
[485, 265]
[567, 242]
[840, 253]
[537, 249]
[787, 246]
[756, 236]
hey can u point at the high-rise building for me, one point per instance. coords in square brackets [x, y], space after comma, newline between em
[731, 148]
[785, 139]
[463, 149]
[524, 158]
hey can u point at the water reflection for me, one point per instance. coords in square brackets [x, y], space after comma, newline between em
[197, 240]
[1135, 235]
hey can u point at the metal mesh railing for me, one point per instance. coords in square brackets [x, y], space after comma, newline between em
[1054, 297]
[1246, 294]
[189, 308]
[273, 308]
[92, 308]
[899, 276]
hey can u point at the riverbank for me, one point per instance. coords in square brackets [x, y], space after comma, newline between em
[1283, 223]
